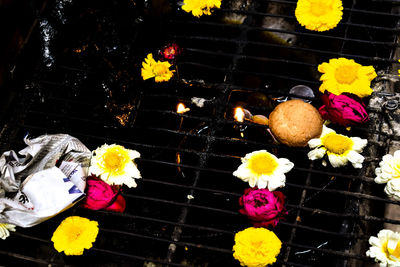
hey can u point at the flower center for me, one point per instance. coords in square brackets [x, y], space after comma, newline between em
[395, 253]
[319, 8]
[346, 74]
[337, 143]
[395, 164]
[74, 234]
[256, 244]
[263, 164]
[160, 69]
[114, 160]
[260, 201]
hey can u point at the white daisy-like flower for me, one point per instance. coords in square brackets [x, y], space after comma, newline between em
[385, 248]
[114, 165]
[389, 172]
[339, 148]
[262, 169]
[5, 229]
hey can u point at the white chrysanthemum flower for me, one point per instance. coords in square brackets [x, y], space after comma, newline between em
[114, 165]
[385, 248]
[5, 229]
[339, 148]
[262, 169]
[389, 172]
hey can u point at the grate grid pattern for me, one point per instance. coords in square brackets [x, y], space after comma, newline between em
[84, 92]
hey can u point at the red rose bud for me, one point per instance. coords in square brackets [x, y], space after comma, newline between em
[100, 195]
[170, 52]
[263, 207]
[344, 109]
[118, 205]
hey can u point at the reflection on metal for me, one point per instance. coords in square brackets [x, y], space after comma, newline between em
[278, 26]
[302, 92]
[233, 17]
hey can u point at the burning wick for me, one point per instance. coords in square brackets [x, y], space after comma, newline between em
[239, 114]
[181, 108]
[239, 117]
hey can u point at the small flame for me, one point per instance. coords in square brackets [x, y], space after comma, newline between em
[181, 108]
[239, 114]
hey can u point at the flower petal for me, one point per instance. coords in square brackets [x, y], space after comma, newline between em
[317, 153]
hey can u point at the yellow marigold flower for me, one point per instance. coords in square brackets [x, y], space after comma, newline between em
[74, 234]
[256, 247]
[342, 75]
[200, 7]
[319, 15]
[114, 165]
[157, 69]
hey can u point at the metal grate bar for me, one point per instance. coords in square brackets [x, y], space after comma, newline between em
[330, 37]
[292, 47]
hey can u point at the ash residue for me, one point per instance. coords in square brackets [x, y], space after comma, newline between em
[47, 33]
[59, 10]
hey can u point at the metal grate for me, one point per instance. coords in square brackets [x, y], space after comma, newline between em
[93, 91]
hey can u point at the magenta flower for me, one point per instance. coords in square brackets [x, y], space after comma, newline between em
[100, 195]
[344, 109]
[263, 207]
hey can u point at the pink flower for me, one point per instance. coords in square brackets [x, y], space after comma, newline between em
[100, 195]
[263, 207]
[344, 109]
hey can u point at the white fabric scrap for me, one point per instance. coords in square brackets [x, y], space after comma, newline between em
[198, 101]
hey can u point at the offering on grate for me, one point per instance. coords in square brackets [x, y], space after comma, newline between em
[385, 248]
[256, 247]
[169, 52]
[263, 169]
[319, 15]
[342, 75]
[340, 149]
[100, 195]
[263, 207]
[345, 109]
[74, 234]
[159, 70]
[48, 179]
[115, 165]
[388, 173]
[295, 122]
[200, 7]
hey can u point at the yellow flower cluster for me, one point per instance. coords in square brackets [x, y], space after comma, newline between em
[342, 75]
[256, 247]
[74, 234]
[157, 69]
[319, 15]
[200, 7]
